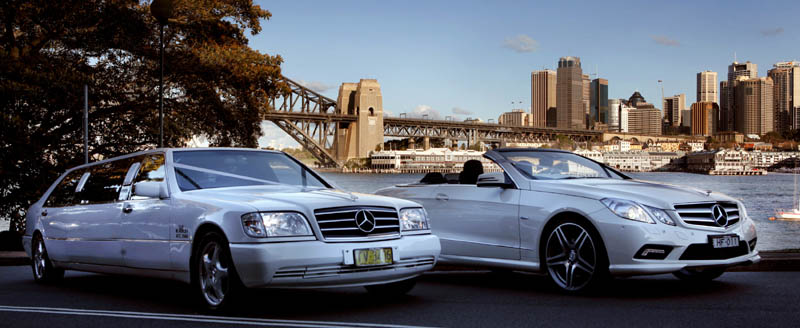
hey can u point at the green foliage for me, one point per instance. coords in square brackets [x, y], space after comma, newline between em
[215, 84]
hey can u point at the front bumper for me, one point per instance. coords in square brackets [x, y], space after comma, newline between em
[311, 264]
[623, 239]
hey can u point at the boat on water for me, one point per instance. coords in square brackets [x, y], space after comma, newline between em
[791, 214]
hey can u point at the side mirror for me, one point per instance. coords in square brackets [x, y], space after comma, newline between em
[151, 189]
[494, 179]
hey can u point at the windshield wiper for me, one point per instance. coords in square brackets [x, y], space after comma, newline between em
[188, 178]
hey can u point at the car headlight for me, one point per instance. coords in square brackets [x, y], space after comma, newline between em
[627, 210]
[660, 215]
[275, 224]
[413, 219]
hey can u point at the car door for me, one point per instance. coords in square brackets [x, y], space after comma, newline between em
[57, 213]
[94, 220]
[145, 222]
[476, 221]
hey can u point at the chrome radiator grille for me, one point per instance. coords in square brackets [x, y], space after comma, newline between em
[357, 221]
[709, 214]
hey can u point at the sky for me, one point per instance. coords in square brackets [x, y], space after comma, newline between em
[474, 58]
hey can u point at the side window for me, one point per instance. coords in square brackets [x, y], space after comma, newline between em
[64, 193]
[152, 169]
[104, 182]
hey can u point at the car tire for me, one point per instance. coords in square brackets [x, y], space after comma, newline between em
[43, 270]
[699, 275]
[573, 256]
[214, 276]
[392, 289]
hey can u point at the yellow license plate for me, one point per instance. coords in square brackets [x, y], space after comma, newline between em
[373, 256]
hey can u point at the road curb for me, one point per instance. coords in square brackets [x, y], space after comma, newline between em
[13, 258]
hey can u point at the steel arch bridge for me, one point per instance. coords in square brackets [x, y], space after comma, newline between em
[314, 121]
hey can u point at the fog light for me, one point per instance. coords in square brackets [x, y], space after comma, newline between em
[653, 252]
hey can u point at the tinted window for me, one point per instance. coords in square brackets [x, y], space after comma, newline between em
[228, 168]
[152, 169]
[104, 182]
[64, 192]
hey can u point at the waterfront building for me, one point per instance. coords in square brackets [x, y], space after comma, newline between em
[591, 154]
[666, 146]
[569, 94]
[613, 115]
[704, 118]
[757, 146]
[754, 106]
[719, 162]
[629, 161]
[736, 71]
[672, 109]
[543, 96]
[707, 86]
[516, 117]
[695, 146]
[599, 102]
[430, 160]
[768, 159]
[786, 95]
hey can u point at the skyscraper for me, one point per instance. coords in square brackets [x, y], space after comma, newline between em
[786, 95]
[587, 99]
[728, 113]
[643, 118]
[599, 101]
[707, 86]
[704, 118]
[569, 94]
[613, 115]
[543, 96]
[673, 107]
[754, 106]
[723, 103]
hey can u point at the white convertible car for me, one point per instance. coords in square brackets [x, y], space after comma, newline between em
[221, 219]
[577, 220]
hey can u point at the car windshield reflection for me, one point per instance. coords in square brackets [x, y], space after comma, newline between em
[552, 165]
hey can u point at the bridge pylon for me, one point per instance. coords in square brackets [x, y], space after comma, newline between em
[358, 138]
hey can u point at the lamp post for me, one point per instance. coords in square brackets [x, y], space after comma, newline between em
[162, 11]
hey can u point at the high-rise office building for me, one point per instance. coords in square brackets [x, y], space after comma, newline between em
[707, 86]
[727, 115]
[723, 103]
[704, 118]
[543, 96]
[613, 115]
[644, 121]
[599, 101]
[673, 107]
[569, 94]
[624, 110]
[786, 95]
[686, 118]
[516, 117]
[754, 106]
[587, 103]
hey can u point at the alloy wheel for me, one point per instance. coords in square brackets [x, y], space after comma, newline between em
[39, 264]
[571, 256]
[214, 282]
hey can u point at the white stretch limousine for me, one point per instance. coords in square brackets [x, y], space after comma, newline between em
[225, 218]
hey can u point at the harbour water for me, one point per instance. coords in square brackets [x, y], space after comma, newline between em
[760, 194]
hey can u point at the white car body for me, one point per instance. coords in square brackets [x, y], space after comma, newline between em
[503, 226]
[155, 236]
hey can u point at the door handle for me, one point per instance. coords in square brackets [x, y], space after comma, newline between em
[44, 212]
[524, 218]
[127, 208]
[442, 197]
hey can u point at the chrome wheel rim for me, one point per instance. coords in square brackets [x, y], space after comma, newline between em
[571, 256]
[213, 274]
[38, 260]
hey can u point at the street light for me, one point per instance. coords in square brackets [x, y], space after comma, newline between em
[162, 11]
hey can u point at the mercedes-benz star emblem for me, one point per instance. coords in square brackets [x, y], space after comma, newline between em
[719, 215]
[365, 221]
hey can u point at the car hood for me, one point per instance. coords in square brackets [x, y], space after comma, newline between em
[650, 193]
[294, 198]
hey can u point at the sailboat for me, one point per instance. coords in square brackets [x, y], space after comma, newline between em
[794, 213]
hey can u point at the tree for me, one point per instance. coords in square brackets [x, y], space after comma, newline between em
[216, 86]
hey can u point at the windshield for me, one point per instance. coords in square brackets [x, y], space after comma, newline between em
[555, 165]
[201, 169]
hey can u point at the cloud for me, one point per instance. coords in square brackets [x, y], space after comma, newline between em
[665, 41]
[521, 43]
[772, 31]
[461, 111]
[387, 113]
[273, 136]
[316, 85]
[425, 110]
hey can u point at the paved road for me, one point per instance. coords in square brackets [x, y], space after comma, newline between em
[464, 299]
